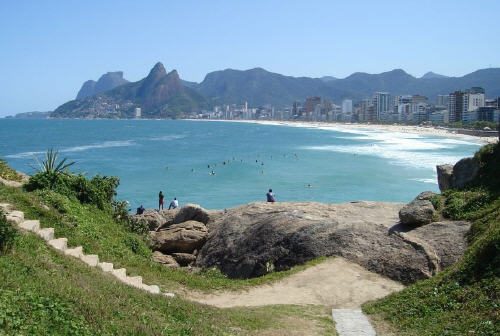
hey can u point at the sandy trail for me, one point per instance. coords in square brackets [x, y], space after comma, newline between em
[336, 283]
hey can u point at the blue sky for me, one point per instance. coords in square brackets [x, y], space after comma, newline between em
[49, 48]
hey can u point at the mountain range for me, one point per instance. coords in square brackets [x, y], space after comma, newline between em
[107, 82]
[165, 95]
[158, 95]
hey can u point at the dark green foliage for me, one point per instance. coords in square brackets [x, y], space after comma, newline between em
[489, 167]
[437, 202]
[7, 234]
[462, 204]
[99, 190]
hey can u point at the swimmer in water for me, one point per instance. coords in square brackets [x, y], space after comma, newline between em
[212, 173]
[309, 185]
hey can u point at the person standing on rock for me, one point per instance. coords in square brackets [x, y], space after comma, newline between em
[160, 200]
[270, 196]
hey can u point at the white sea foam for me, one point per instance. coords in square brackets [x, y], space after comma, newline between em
[426, 180]
[167, 137]
[105, 144]
[397, 153]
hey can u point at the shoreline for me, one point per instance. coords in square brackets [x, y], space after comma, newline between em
[410, 129]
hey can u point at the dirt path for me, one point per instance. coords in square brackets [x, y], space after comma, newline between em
[336, 283]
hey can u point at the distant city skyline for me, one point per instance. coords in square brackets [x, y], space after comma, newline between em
[50, 48]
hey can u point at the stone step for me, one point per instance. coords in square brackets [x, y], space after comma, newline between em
[135, 281]
[106, 267]
[46, 233]
[153, 289]
[170, 295]
[76, 252]
[60, 244]
[30, 225]
[5, 208]
[15, 217]
[90, 259]
[120, 273]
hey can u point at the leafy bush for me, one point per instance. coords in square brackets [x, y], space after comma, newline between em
[462, 204]
[437, 202]
[489, 167]
[99, 190]
[7, 234]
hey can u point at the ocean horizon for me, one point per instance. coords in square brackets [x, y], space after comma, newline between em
[177, 156]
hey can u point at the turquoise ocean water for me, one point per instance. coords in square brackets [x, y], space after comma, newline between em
[173, 156]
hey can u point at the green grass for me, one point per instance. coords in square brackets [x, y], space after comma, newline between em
[465, 298]
[43, 292]
[8, 173]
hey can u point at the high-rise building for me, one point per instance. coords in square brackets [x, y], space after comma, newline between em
[442, 100]
[463, 103]
[347, 106]
[311, 103]
[381, 103]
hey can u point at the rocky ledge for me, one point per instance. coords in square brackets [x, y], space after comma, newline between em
[257, 238]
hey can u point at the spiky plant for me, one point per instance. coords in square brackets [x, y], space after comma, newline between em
[50, 164]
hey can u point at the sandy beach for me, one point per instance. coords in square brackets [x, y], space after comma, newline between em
[371, 127]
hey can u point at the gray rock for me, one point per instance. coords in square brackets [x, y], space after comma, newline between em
[464, 172]
[417, 212]
[425, 196]
[184, 259]
[184, 237]
[459, 175]
[191, 212]
[164, 259]
[444, 176]
[251, 240]
[155, 219]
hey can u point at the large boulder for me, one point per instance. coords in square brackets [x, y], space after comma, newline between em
[191, 212]
[183, 237]
[155, 219]
[253, 239]
[164, 259]
[444, 176]
[464, 172]
[416, 213]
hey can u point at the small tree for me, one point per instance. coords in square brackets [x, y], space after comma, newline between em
[50, 165]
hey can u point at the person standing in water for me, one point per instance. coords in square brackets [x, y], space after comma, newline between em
[160, 200]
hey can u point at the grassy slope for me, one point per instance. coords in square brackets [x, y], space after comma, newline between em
[464, 299]
[47, 293]
[8, 173]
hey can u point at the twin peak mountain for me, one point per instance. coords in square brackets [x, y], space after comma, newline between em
[160, 94]
[163, 94]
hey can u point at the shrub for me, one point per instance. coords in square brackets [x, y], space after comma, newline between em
[462, 204]
[7, 234]
[99, 190]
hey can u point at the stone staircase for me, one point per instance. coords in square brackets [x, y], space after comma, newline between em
[61, 245]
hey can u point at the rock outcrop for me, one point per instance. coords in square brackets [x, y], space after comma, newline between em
[418, 212]
[253, 239]
[164, 259]
[155, 219]
[183, 237]
[457, 176]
